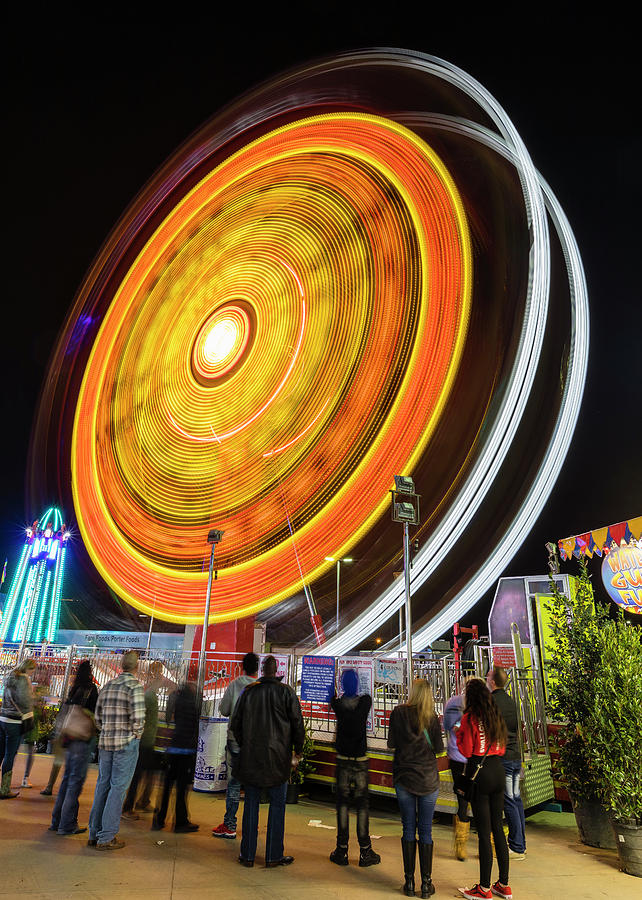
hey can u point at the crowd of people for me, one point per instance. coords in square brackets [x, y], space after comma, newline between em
[265, 741]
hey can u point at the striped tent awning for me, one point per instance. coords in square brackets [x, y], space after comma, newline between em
[600, 540]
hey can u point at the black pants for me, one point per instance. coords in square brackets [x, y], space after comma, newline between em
[488, 807]
[146, 767]
[180, 771]
[457, 769]
[352, 786]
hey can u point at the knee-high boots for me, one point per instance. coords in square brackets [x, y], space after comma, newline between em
[409, 852]
[425, 865]
[461, 830]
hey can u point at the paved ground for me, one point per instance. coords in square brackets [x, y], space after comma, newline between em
[40, 865]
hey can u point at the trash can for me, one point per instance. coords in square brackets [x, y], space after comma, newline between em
[210, 775]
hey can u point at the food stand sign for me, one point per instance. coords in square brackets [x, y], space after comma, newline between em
[622, 577]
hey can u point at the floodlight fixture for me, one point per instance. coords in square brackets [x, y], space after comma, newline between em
[405, 512]
[404, 484]
[214, 536]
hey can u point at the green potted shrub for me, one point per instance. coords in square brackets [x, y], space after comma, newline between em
[574, 660]
[613, 736]
[305, 768]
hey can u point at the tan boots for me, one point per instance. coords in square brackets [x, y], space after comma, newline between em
[5, 790]
[461, 830]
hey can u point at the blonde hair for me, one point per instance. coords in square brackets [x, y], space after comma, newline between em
[423, 701]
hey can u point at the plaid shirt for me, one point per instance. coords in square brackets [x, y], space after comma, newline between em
[120, 712]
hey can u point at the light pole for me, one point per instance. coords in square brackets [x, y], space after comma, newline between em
[346, 559]
[214, 537]
[405, 509]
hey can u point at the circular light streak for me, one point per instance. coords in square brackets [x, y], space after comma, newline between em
[346, 238]
[351, 273]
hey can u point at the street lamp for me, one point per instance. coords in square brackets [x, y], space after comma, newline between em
[405, 509]
[346, 559]
[214, 537]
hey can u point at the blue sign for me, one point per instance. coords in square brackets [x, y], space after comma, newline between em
[120, 640]
[317, 678]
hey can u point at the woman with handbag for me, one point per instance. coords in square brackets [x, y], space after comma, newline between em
[77, 732]
[16, 719]
[481, 738]
[414, 733]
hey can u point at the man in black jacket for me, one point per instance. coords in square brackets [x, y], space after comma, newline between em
[267, 723]
[512, 762]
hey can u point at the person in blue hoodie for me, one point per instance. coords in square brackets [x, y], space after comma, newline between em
[352, 770]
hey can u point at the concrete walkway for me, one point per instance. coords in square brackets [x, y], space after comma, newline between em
[38, 864]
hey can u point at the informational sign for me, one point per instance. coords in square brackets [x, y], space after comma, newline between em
[504, 656]
[317, 678]
[120, 640]
[622, 577]
[389, 671]
[282, 663]
[364, 666]
[210, 774]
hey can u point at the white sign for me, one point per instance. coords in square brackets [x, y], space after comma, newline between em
[389, 671]
[364, 667]
[211, 765]
[282, 663]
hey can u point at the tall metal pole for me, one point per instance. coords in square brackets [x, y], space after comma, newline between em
[149, 636]
[200, 682]
[400, 631]
[406, 566]
[338, 575]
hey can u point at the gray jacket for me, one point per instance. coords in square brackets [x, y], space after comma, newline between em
[17, 699]
[230, 699]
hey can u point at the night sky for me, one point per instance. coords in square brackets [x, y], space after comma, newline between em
[93, 106]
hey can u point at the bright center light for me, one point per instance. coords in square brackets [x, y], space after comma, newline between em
[221, 341]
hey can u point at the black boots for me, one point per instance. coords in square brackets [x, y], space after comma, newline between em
[425, 864]
[367, 857]
[409, 851]
[339, 856]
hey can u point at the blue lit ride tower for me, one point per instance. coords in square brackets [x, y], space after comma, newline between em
[33, 601]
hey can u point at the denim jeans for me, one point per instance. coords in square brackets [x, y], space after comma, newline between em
[65, 811]
[417, 811]
[233, 794]
[275, 825]
[115, 770]
[352, 785]
[513, 806]
[9, 743]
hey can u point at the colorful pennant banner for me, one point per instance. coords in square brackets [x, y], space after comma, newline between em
[600, 540]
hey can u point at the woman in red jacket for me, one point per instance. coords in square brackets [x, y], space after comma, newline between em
[481, 738]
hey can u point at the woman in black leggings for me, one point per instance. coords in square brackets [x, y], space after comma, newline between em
[481, 738]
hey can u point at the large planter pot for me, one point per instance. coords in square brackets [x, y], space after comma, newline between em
[628, 840]
[593, 825]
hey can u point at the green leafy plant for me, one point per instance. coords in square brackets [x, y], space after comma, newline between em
[574, 662]
[305, 767]
[612, 732]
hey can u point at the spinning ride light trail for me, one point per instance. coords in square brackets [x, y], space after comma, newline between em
[32, 608]
[352, 271]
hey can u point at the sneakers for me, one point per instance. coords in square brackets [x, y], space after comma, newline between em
[502, 890]
[477, 893]
[47, 792]
[26, 783]
[368, 857]
[222, 831]
[114, 844]
[130, 814]
[339, 856]
[515, 854]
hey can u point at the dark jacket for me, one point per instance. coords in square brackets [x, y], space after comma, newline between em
[182, 710]
[508, 709]
[85, 695]
[415, 765]
[352, 717]
[267, 724]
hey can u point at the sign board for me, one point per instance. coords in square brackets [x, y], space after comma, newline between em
[282, 663]
[389, 671]
[622, 577]
[210, 773]
[317, 678]
[364, 666]
[504, 656]
[120, 640]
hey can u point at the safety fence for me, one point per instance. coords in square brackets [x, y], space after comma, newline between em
[56, 667]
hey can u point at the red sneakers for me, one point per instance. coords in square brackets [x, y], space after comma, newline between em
[222, 831]
[502, 890]
[476, 893]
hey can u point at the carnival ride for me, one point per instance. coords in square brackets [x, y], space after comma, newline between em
[354, 271]
[32, 607]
